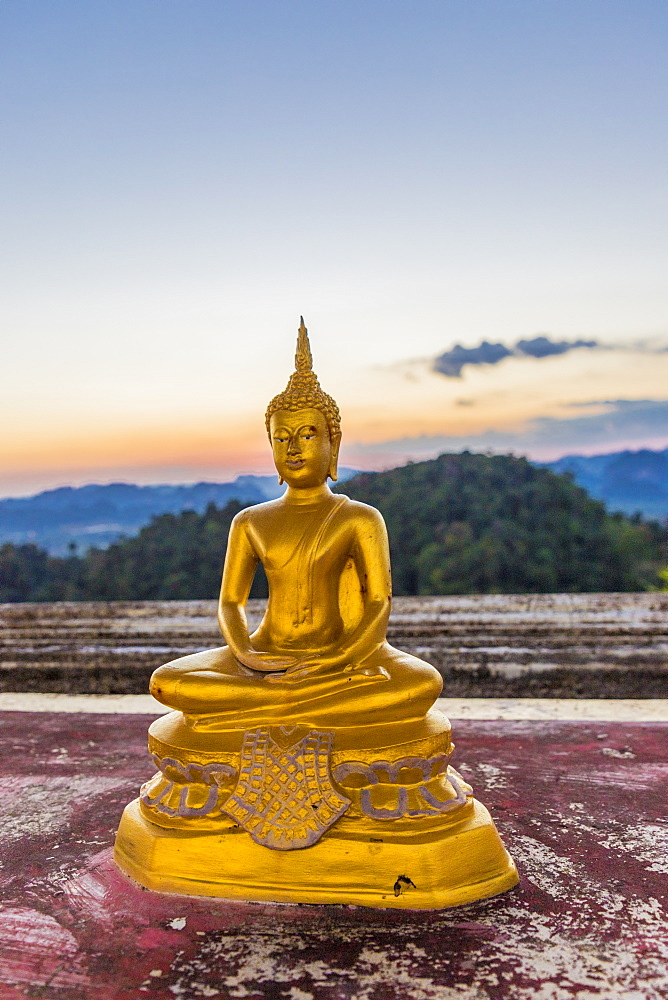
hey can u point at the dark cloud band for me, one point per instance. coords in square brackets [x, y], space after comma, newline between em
[451, 362]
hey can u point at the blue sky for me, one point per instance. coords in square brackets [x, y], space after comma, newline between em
[180, 180]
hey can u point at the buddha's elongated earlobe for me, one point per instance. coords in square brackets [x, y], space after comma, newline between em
[280, 480]
[334, 460]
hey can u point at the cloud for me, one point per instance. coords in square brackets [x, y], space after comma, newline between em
[543, 347]
[451, 362]
[620, 423]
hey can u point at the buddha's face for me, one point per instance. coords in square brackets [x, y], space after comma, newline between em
[304, 454]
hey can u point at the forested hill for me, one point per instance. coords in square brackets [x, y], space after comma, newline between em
[94, 516]
[460, 524]
[467, 524]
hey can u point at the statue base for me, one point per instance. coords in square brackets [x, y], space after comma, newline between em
[304, 815]
[447, 864]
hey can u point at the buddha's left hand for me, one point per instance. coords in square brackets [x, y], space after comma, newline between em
[305, 669]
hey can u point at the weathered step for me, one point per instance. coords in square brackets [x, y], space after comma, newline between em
[547, 645]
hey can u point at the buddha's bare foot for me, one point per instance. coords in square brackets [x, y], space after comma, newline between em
[267, 662]
[310, 667]
[316, 668]
[374, 672]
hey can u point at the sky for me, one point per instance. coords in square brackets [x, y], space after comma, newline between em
[467, 201]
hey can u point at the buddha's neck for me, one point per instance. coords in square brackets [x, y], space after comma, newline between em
[307, 494]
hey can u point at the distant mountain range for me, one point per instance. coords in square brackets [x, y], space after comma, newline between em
[627, 481]
[96, 516]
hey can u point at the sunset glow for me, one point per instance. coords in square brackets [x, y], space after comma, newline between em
[180, 182]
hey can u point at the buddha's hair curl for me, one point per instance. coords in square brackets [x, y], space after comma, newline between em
[303, 391]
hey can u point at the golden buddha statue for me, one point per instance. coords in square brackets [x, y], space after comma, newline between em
[305, 762]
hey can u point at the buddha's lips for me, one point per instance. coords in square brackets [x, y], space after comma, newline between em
[295, 463]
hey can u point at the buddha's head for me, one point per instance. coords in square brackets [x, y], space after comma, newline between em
[304, 425]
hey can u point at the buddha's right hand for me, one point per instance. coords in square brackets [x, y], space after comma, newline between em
[265, 662]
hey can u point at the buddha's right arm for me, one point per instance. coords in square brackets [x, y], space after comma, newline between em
[240, 563]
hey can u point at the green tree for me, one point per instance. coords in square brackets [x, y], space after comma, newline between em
[466, 524]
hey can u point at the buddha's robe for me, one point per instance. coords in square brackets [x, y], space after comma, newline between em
[327, 564]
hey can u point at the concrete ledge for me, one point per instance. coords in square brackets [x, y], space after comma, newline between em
[559, 709]
[106, 704]
[536, 709]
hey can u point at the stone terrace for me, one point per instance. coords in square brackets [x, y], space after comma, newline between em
[541, 645]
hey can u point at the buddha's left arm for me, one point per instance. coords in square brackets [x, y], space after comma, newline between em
[371, 555]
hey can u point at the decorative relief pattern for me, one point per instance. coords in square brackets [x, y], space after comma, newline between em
[284, 797]
[186, 783]
[410, 797]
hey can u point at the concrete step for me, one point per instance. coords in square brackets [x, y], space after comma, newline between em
[535, 645]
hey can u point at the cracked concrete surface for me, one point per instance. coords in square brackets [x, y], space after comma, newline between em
[588, 830]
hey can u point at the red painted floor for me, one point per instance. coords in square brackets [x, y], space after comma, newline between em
[582, 807]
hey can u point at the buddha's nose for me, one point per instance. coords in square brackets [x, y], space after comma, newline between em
[293, 446]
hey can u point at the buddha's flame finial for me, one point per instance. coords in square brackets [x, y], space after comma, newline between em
[303, 357]
[303, 391]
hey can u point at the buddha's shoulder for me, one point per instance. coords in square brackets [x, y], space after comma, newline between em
[257, 512]
[360, 512]
[264, 513]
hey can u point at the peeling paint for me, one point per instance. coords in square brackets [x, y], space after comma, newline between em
[588, 921]
[38, 805]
